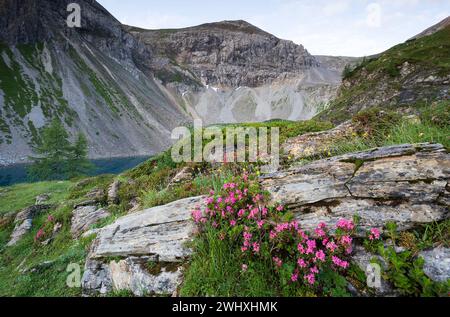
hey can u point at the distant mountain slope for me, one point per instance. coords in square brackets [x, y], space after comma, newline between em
[93, 79]
[232, 71]
[228, 53]
[409, 74]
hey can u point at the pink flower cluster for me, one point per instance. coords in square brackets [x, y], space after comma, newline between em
[314, 251]
[238, 211]
[374, 234]
[42, 231]
[236, 205]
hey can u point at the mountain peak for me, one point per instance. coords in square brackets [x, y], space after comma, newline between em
[235, 25]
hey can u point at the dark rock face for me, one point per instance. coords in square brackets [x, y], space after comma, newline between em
[95, 79]
[228, 53]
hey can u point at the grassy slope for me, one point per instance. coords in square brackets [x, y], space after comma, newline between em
[32, 269]
[373, 77]
[19, 196]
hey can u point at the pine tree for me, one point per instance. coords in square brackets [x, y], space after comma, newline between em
[78, 163]
[57, 157]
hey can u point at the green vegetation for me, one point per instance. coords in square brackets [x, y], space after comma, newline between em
[288, 129]
[31, 268]
[404, 269]
[377, 81]
[376, 127]
[19, 196]
[58, 159]
[19, 90]
[215, 270]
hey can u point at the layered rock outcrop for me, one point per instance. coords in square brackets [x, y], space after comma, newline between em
[142, 252]
[407, 184]
[228, 53]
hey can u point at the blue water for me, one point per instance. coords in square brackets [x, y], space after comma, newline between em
[17, 173]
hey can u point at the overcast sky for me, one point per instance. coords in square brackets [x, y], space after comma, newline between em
[326, 27]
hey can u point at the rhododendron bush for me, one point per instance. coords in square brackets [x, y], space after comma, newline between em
[260, 231]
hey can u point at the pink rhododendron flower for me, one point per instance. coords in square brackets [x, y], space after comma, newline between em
[197, 215]
[256, 247]
[272, 235]
[319, 232]
[332, 246]
[346, 240]
[374, 234]
[311, 246]
[345, 224]
[320, 255]
[278, 262]
[339, 262]
[294, 277]
[301, 248]
[301, 263]
[264, 211]
[310, 278]
[233, 223]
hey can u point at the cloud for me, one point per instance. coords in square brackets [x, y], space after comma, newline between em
[336, 7]
[373, 19]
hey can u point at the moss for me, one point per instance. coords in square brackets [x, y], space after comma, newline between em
[156, 268]
[19, 90]
[102, 88]
[35, 139]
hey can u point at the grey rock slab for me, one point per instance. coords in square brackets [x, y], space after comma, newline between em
[24, 221]
[161, 230]
[406, 184]
[437, 264]
[157, 235]
[84, 217]
[19, 231]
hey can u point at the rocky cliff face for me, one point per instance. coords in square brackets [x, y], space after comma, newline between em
[232, 71]
[100, 79]
[228, 53]
[95, 79]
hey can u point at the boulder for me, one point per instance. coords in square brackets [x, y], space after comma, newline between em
[41, 199]
[24, 221]
[437, 264]
[405, 184]
[184, 175]
[141, 241]
[85, 216]
[94, 197]
[316, 143]
[113, 192]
